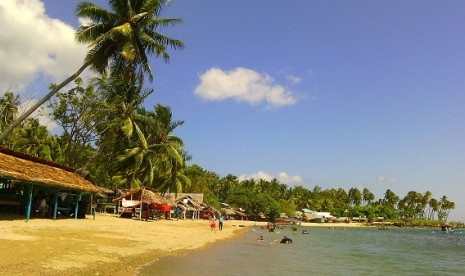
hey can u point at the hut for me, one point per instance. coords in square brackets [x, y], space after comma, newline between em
[209, 212]
[25, 180]
[232, 213]
[189, 207]
[105, 200]
[177, 196]
[134, 202]
[228, 212]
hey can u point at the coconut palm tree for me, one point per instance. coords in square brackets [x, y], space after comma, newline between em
[434, 207]
[444, 208]
[8, 108]
[34, 140]
[390, 198]
[8, 112]
[367, 196]
[170, 156]
[119, 41]
[355, 196]
[156, 158]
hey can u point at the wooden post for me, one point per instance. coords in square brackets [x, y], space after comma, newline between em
[93, 209]
[140, 206]
[29, 204]
[76, 209]
[55, 211]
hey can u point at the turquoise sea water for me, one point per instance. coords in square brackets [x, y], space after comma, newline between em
[348, 251]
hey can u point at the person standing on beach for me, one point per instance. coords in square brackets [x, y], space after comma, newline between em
[220, 222]
[213, 224]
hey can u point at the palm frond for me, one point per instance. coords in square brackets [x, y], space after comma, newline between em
[127, 127]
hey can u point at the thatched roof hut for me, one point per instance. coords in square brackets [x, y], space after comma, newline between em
[134, 201]
[144, 194]
[189, 204]
[27, 172]
[26, 168]
[228, 211]
[177, 196]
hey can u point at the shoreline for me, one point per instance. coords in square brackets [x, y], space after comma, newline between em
[107, 245]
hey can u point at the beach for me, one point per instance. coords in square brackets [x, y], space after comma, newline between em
[107, 245]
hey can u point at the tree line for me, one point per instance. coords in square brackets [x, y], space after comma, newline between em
[107, 133]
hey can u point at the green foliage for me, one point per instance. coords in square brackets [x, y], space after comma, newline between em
[122, 37]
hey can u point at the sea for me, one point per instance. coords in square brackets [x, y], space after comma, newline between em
[324, 251]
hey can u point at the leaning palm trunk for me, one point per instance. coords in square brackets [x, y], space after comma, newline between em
[42, 101]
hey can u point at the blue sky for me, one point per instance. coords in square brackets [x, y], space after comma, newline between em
[329, 93]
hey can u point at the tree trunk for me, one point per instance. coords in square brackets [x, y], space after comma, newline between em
[41, 102]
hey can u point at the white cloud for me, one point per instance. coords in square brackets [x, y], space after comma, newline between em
[282, 177]
[34, 47]
[387, 180]
[243, 85]
[289, 179]
[293, 79]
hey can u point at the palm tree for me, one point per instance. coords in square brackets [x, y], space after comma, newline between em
[169, 149]
[434, 207]
[119, 40]
[355, 196]
[444, 208]
[425, 202]
[367, 196]
[390, 198]
[34, 140]
[155, 159]
[8, 108]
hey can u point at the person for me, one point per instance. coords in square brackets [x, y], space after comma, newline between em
[271, 227]
[286, 239]
[220, 222]
[43, 207]
[213, 224]
[146, 207]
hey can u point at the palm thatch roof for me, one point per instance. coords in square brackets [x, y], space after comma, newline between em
[176, 196]
[105, 190]
[189, 203]
[148, 196]
[228, 211]
[30, 169]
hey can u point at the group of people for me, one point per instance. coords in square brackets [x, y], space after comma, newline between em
[220, 223]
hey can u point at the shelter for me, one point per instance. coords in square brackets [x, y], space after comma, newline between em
[232, 213]
[189, 207]
[208, 212]
[315, 216]
[105, 200]
[176, 196]
[24, 177]
[133, 201]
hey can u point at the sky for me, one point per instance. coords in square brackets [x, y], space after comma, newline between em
[339, 94]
